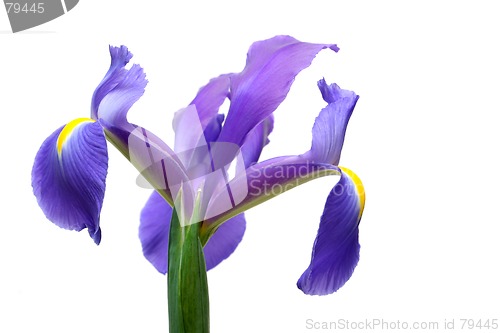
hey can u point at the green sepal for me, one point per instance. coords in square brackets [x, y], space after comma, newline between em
[188, 306]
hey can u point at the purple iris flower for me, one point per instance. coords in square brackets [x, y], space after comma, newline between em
[70, 168]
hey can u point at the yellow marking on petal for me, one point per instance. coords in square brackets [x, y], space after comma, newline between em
[360, 189]
[68, 129]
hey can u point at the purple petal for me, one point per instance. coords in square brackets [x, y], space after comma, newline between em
[264, 83]
[256, 140]
[154, 230]
[206, 104]
[264, 181]
[224, 241]
[113, 98]
[120, 56]
[331, 124]
[213, 128]
[211, 97]
[336, 248]
[69, 176]
[157, 163]
[115, 104]
[116, 94]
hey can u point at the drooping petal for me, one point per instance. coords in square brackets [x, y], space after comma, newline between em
[330, 126]
[224, 241]
[69, 176]
[264, 83]
[336, 248]
[154, 230]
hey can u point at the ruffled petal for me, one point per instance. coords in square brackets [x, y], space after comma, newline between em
[264, 83]
[330, 126]
[69, 176]
[154, 231]
[112, 99]
[116, 103]
[336, 248]
[116, 94]
[120, 56]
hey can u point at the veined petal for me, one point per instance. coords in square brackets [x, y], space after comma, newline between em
[120, 56]
[115, 104]
[330, 126]
[264, 83]
[154, 232]
[69, 176]
[116, 94]
[336, 248]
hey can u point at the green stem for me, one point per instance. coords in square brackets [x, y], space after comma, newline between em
[188, 307]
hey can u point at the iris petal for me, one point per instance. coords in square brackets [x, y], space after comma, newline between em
[336, 248]
[211, 97]
[69, 182]
[115, 95]
[331, 124]
[256, 140]
[120, 56]
[206, 104]
[264, 83]
[114, 106]
[264, 181]
[154, 230]
[113, 98]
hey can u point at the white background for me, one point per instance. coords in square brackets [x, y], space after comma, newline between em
[424, 139]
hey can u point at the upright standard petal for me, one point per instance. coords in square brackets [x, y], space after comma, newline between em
[120, 56]
[154, 231]
[336, 248]
[256, 140]
[116, 103]
[112, 100]
[330, 126]
[264, 83]
[210, 98]
[69, 176]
